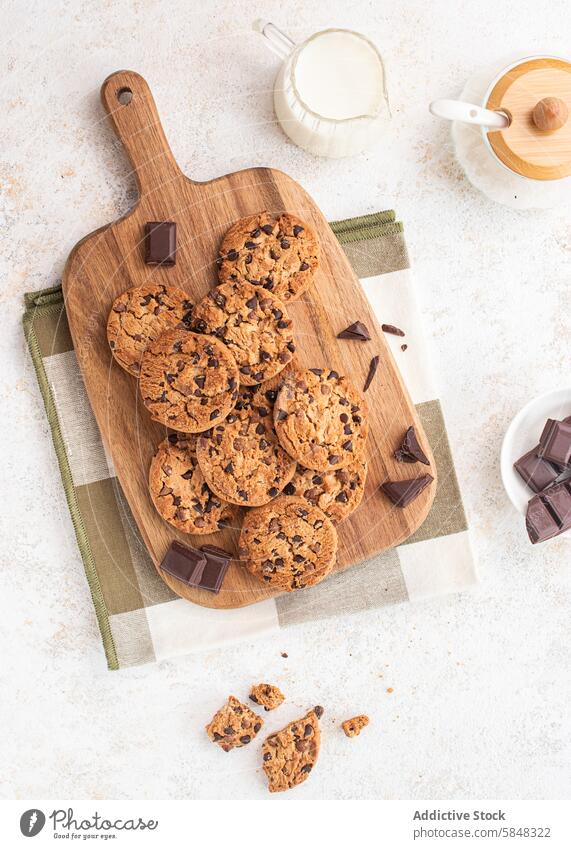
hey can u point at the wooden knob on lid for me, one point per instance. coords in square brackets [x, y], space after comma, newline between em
[550, 114]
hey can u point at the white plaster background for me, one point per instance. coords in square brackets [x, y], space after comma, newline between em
[482, 682]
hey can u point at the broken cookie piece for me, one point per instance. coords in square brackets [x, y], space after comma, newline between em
[267, 695]
[353, 727]
[234, 725]
[289, 755]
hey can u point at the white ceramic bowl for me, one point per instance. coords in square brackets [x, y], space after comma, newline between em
[522, 434]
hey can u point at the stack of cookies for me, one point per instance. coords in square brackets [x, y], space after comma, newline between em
[253, 436]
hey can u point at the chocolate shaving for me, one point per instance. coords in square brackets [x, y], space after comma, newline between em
[357, 330]
[373, 366]
[390, 328]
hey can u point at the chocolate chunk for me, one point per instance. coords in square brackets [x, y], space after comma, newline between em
[539, 522]
[536, 472]
[204, 569]
[549, 513]
[403, 347]
[373, 366]
[217, 562]
[402, 493]
[186, 564]
[390, 328]
[555, 442]
[357, 330]
[410, 450]
[160, 243]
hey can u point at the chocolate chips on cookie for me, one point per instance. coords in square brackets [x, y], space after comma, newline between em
[188, 382]
[180, 493]
[321, 419]
[337, 493]
[139, 316]
[234, 725]
[253, 324]
[289, 755]
[268, 696]
[288, 544]
[241, 458]
[277, 252]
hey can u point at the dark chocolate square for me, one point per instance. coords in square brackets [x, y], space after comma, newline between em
[549, 512]
[185, 564]
[555, 442]
[535, 471]
[160, 243]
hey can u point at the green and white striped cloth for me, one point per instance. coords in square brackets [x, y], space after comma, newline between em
[140, 619]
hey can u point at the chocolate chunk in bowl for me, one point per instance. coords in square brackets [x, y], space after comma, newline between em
[555, 442]
[535, 471]
[549, 513]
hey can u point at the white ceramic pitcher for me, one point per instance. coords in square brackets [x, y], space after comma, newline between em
[330, 92]
[512, 131]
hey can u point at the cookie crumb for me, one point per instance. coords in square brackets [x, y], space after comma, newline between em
[353, 727]
[390, 690]
[267, 695]
[234, 725]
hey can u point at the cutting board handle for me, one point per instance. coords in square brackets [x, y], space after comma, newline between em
[129, 103]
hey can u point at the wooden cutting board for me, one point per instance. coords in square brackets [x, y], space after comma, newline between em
[110, 260]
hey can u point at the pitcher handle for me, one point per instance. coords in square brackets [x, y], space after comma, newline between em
[277, 40]
[469, 113]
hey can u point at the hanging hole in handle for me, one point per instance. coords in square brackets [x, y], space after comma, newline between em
[124, 96]
[473, 113]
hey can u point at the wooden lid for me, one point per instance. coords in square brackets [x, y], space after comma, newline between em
[536, 96]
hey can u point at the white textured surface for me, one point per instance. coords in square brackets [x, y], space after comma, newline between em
[481, 682]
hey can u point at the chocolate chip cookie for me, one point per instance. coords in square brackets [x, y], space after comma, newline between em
[353, 727]
[253, 324]
[268, 696]
[241, 458]
[278, 252]
[139, 316]
[180, 493]
[234, 725]
[188, 382]
[288, 544]
[337, 493]
[321, 419]
[289, 755]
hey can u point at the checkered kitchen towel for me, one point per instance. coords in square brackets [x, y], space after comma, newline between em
[140, 619]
